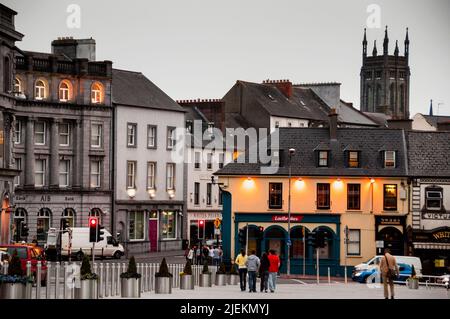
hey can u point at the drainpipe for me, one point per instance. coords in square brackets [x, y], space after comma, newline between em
[112, 183]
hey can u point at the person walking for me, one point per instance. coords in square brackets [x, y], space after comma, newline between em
[190, 255]
[198, 255]
[252, 264]
[389, 271]
[274, 266]
[216, 256]
[241, 260]
[264, 272]
[211, 255]
[205, 252]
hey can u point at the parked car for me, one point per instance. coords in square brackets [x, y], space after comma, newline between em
[375, 261]
[361, 276]
[32, 253]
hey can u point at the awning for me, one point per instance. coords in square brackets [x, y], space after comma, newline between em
[432, 246]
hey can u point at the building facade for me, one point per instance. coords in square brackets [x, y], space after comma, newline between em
[148, 179]
[62, 139]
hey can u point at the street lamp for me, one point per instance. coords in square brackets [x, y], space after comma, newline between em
[291, 153]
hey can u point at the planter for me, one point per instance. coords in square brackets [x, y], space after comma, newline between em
[130, 287]
[187, 282]
[221, 280]
[205, 280]
[412, 283]
[163, 285]
[87, 289]
[233, 279]
[13, 291]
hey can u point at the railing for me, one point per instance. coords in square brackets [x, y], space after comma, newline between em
[95, 68]
[65, 67]
[41, 65]
[21, 63]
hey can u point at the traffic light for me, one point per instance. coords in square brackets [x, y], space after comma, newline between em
[93, 229]
[100, 233]
[64, 224]
[201, 229]
[321, 239]
[24, 230]
[260, 232]
[311, 239]
[242, 236]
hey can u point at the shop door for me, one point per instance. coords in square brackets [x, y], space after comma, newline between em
[153, 234]
[393, 239]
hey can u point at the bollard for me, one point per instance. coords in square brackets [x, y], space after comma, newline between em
[57, 270]
[5, 267]
[66, 264]
[29, 286]
[38, 279]
[329, 279]
[345, 274]
[113, 279]
[147, 281]
[141, 271]
[48, 282]
[107, 266]
[100, 281]
[118, 280]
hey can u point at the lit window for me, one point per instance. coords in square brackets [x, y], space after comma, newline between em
[389, 159]
[18, 132]
[323, 196]
[131, 135]
[433, 199]
[323, 158]
[151, 171]
[353, 159]
[275, 195]
[39, 133]
[17, 86]
[39, 173]
[95, 174]
[64, 173]
[136, 225]
[131, 174]
[97, 93]
[64, 134]
[168, 221]
[40, 90]
[64, 91]
[390, 197]
[96, 135]
[170, 176]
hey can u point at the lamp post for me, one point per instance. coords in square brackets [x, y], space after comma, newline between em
[291, 153]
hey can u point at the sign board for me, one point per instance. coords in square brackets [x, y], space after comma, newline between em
[284, 218]
[379, 244]
[217, 222]
[216, 231]
[288, 242]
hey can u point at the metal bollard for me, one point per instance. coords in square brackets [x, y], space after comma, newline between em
[329, 279]
[48, 282]
[57, 270]
[5, 267]
[29, 286]
[113, 279]
[107, 266]
[38, 279]
[100, 281]
[65, 279]
[147, 271]
[118, 280]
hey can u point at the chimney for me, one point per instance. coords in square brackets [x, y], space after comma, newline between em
[333, 124]
[74, 48]
[285, 86]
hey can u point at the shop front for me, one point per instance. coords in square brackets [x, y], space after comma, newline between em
[390, 230]
[433, 248]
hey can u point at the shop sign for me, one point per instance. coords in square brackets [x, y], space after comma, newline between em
[207, 216]
[441, 235]
[439, 263]
[284, 218]
[389, 221]
[437, 216]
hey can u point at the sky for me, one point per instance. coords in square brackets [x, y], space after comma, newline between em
[200, 48]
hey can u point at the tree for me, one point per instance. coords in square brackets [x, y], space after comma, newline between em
[131, 270]
[187, 268]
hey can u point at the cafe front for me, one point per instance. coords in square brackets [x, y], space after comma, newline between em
[390, 230]
[433, 248]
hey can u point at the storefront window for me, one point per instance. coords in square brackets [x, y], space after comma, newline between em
[136, 226]
[43, 224]
[354, 242]
[168, 220]
[69, 215]
[390, 197]
[297, 248]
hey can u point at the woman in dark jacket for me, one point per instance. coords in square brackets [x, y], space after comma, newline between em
[264, 272]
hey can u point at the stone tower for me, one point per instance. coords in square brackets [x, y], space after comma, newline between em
[385, 80]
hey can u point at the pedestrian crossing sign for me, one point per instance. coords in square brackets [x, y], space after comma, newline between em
[217, 222]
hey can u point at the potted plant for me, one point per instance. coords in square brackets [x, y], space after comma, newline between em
[233, 277]
[88, 281]
[186, 277]
[221, 276]
[205, 276]
[131, 281]
[413, 282]
[14, 284]
[163, 279]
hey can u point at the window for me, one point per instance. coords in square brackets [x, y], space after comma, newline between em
[170, 175]
[136, 225]
[220, 196]
[389, 159]
[323, 196]
[39, 173]
[189, 126]
[221, 160]
[353, 159]
[131, 174]
[209, 161]
[39, 133]
[95, 174]
[151, 174]
[43, 224]
[353, 196]
[18, 162]
[64, 173]
[323, 158]
[96, 93]
[354, 242]
[64, 134]
[69, 215]
[96, 212]
[64, 91]
[131, 134]
[277, 124]
[208, 194]
[378, 74]
[275, 195]
[96, 135]
[433, 199]
[197, 160]
[40, 90]
[17, 86]
[210, 128]
[168, 225]
[196, 193]
[390, 197]
[18, 132]
[151, 136]
[368, 75]
[170, 137]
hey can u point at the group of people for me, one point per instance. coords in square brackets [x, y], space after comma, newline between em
[199, 255]
[267, 267]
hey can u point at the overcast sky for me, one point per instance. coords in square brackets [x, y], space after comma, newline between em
[199, 48]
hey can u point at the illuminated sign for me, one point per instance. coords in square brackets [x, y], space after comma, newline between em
[284, 218]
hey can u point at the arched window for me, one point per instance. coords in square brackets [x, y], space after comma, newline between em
[17, 86]
[402, 98]
[20, 220]
[298, 235]
[40, 90]
[96, 212]
[6, 75]
[327, 251]
[97, 93]
[69, 215]
[65, 91]
[392, 96]
[43, 223]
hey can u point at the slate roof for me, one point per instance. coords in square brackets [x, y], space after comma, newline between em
[348, 114]
[134, 89]
[428, 153]
[370, 141]
[434, 120]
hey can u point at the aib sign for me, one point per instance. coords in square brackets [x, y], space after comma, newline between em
[284, 218]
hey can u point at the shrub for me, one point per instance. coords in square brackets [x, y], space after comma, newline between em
[205, 269]
[163, 270]
[85, 271]
[131, 271]
[221, 270]
[187, 268]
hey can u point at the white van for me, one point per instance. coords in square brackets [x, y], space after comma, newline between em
[108, 247]
[409, 260]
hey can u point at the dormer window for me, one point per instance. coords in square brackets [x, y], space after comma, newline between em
[64, 91]
[433, 198]
[389, 159]
[353, 159]
[323, 158]
[40, 90]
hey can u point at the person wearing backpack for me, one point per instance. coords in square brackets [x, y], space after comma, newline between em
[389, 272]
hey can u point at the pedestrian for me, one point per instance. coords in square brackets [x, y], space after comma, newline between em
[252, 264]
[264, 272]
[274, 266]
[198, 255]
[220, 254]
[211, 255]
[216, 256]
[190, 255]
[205, 252]
[389, 272]
[241, 259]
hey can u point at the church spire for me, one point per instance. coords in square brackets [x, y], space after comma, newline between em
[396, 48]
[385, 42]
[364, 43]
[374, 52]
[431, 107]
[406, 44]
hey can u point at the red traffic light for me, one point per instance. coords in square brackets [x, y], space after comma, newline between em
[261, 228]
[201, 222]
[92, 221]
